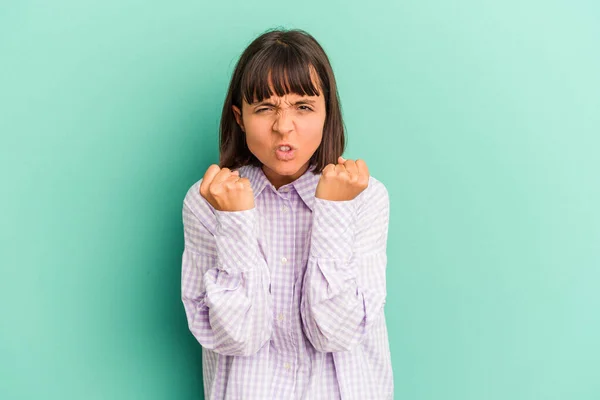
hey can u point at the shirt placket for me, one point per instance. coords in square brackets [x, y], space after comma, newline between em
[287, 310]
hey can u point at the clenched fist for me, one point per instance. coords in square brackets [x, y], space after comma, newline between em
[343, 181]
[225, 190]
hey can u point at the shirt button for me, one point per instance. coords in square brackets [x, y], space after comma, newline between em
[285, 209]
[285, 190]
[287, 366]
[283, 260]
[280, 316]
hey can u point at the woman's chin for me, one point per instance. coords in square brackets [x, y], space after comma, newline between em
[285, 168]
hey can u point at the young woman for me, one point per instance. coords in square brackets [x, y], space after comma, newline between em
[283, 271]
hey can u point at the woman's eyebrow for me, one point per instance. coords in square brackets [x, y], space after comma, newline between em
[305, 101]
[268, 103]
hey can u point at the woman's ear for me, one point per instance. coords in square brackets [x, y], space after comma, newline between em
[238, 117]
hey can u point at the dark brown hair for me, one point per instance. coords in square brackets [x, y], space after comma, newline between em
[289, 56]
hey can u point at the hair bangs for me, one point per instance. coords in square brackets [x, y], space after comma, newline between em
[279, 70]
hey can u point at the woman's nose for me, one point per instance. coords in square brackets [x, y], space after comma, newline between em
[284, 121]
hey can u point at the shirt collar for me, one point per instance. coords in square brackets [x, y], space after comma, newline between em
[305, 185]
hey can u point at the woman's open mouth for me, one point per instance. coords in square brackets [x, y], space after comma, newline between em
[285, 153]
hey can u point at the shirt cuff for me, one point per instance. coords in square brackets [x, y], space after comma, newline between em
[333, 230]
[236, 239]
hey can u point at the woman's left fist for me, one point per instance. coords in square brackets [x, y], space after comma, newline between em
[343, 181]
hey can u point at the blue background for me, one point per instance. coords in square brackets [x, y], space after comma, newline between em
[482, 119]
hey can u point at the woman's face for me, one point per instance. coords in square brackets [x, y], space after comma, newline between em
[292, 119]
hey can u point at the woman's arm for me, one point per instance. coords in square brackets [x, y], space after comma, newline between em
[224, 281]
[345, 284]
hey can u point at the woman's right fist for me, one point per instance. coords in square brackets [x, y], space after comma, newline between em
[225, 190]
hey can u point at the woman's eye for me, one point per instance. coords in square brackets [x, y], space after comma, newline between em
[303, 108]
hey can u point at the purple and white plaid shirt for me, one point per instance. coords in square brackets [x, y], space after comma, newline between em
[287, 299]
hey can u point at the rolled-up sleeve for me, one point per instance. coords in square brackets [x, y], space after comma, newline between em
[344, 287]
[225, 280]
